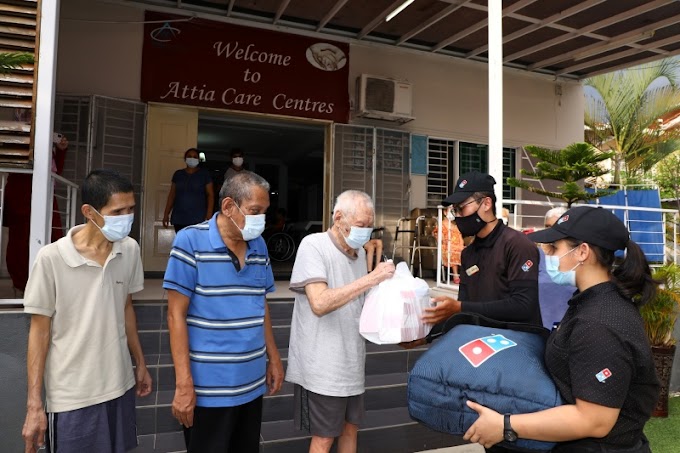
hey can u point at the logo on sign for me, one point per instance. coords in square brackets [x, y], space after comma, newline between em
[480, 350]
[164, 33]
[526, 266]
[326, 57]
[563, 219]
[603, 375]
[463, 183]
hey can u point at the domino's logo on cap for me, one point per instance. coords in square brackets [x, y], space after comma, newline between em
[463, 183]
[563, 219]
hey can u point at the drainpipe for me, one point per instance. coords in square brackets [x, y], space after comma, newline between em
[41, 199]
[495, 71]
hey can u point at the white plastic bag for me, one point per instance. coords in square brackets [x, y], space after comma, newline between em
[392, 310]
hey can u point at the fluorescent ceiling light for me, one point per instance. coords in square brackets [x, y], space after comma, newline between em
[399, 9]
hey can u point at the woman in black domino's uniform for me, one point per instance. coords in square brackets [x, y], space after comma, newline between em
[599, 356]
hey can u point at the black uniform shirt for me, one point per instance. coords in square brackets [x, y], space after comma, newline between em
[499, 277]
[600, 354]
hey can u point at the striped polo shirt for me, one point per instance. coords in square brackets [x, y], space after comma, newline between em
[225, 319]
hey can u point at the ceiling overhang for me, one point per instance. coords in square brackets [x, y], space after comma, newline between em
[572, 39]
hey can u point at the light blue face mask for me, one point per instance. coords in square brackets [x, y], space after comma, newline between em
[254, 225]
[358, 236]
[552, 267]
[116, 227]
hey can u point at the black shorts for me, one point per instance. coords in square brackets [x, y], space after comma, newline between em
[225, 429]
[325, 416]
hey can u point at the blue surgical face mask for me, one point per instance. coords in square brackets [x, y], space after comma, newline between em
[116, 227]
[358, 236]
[552, 267]
[192, 162]
[254, 225]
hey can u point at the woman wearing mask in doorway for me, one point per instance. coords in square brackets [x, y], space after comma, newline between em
[191, 196]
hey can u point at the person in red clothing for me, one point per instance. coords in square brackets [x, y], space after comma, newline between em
[17, 216]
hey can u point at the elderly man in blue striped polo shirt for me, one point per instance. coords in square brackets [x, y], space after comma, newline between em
[217, 278]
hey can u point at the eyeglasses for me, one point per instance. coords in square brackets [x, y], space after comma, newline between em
[459, 209]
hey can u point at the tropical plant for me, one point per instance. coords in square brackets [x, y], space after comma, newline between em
[627, 114]
[14, 60]
[667, 176]
[569, 166]
[660, 313]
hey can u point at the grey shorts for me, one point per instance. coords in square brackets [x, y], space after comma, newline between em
[108, 427]
[325, 416]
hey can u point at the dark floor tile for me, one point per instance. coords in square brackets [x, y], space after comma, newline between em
[165, 342]
[385, 398]
[148, 313]
[386, 362]
[150, 342]
[165, 422]
[277, 408]
[281, 310]
[167, 442]
[398, 439]
[145, 444]
[165, 359]
[377, 380]
[165, 397]
[281, 336]
[413, 357]
[146, 420]
[166, 378]
[286, 446]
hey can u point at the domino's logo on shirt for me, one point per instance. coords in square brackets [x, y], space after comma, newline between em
[603, 375]
[528, 265]
[480, 350]
[463, 183]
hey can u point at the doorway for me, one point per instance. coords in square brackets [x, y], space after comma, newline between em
[289, 155]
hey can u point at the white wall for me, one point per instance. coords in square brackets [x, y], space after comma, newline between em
[100, 49]
[450, 98]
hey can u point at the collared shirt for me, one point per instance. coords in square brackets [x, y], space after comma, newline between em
[499, 277]
[226, 313]
[600, 354]
[88, 360]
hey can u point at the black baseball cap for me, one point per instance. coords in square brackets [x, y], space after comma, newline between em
[468, 184]
[595, 226]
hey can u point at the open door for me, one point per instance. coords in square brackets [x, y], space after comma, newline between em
[170, 132]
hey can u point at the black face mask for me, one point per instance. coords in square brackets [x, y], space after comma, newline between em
[470, 225]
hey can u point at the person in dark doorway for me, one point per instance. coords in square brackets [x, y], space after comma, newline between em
[499, 277]
[236, 165]
[191, 195]
[17, 216]
[221, 336]
[326, 355]
[84, 329]
[552, 297]
[599, 356]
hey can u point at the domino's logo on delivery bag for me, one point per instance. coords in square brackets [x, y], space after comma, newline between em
[480, 350]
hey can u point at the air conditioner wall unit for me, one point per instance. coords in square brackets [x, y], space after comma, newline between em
[384, 98]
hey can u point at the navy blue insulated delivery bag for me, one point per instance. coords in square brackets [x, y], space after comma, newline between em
[500, 368]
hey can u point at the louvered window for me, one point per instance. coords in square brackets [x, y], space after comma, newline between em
[440, 154]
[18, 33]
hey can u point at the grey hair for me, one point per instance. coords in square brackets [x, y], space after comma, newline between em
[239, 187]
[349, 200]
[555, 213]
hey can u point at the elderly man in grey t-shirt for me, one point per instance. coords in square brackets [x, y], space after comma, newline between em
[326, 354]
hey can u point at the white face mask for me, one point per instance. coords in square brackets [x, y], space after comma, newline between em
[254, 225]
[192, 162]
[358, 236]
[450, 216]
[116, 227]
[238, 161]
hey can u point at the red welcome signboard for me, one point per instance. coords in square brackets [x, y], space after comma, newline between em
[212, 64]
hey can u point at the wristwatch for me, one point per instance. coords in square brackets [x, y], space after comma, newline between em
[509, 434]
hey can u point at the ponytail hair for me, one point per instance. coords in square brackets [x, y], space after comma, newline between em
[633, 276]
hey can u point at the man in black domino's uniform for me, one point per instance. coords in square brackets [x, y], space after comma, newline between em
[499, 269]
